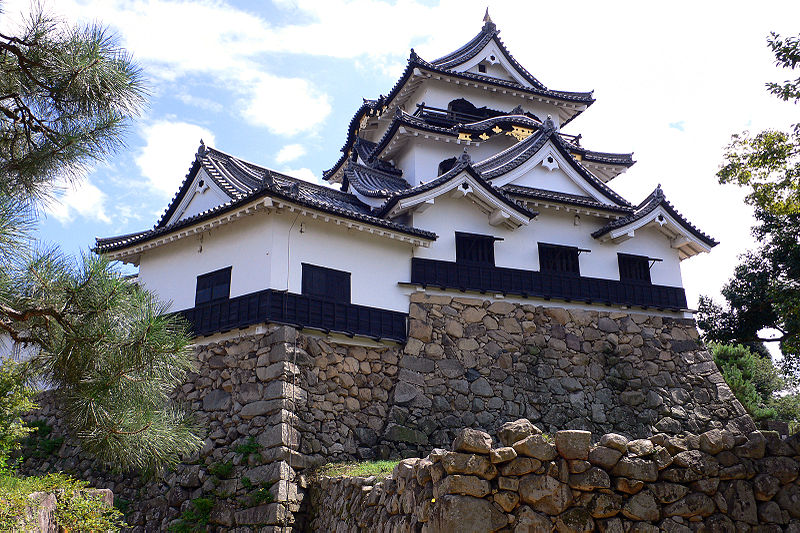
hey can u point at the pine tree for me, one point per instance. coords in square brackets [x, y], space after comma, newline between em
[106, 346]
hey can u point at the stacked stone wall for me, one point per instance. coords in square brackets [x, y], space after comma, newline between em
[529, 482]
[304, 400]
[242, 397]
[481, 363]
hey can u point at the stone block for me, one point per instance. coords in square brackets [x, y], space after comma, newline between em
[472, 441]
[466, 514]
[217, 400]
[267, 514]
[573, 444]
[280, 435]
[537, 447]
[512, 432]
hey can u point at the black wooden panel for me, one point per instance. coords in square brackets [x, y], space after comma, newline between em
[298, 310]
[563, 286]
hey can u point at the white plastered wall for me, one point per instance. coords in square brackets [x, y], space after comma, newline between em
[519, 249]
[256, 249]
[245, 245]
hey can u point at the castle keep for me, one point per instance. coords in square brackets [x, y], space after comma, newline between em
[466, 265]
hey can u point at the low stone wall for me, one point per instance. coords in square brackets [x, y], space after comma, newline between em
[529, 482]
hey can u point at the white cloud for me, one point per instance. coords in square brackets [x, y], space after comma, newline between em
[285, 106]
[199, 101]
[81, 198]
[168, 153]
[304, 174]
[290, 152]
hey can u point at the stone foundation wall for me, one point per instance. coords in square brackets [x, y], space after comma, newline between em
[242, 396]
[481, 363]
[529, 482]
[301, 400]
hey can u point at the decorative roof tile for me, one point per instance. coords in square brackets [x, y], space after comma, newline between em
[656, 199]
[373, 183]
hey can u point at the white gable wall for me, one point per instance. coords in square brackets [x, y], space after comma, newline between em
[199, 199]
[519, 248]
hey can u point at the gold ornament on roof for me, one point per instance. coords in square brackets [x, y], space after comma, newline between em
[464, 137]
[520, 133]
[483, 136]
[364, 122]
[497, 129]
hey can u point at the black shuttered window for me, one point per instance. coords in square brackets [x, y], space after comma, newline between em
[475, 249]
[634, 268]
[558, 259]
[327, 283]
[213, 287]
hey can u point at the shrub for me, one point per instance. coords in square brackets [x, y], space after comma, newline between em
[77, 510]
[757, 383]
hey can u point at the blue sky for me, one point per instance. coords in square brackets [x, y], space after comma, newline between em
[277, 82]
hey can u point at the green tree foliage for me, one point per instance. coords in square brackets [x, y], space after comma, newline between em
[101, 342]
[757, 383]
[16, 399]
[768, 163]
[764, 293]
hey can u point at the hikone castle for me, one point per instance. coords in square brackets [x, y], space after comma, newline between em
[468, 265]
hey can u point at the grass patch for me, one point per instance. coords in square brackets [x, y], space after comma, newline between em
[379, 469]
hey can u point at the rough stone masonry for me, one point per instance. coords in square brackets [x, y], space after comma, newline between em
[534, 483]
[468, 362]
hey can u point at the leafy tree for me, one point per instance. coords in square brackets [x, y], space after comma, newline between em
[764, 292]
[101, 342]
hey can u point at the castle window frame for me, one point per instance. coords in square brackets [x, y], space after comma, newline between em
[475, 249]
[634, 268]
[326, 283]
[559, 259]
[213, 287]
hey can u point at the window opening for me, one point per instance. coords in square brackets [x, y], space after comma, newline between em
[475, 249]
[560, 259]
[635, 267]
[446, 165]
[481, 68]
[213, 287]
[326, 283]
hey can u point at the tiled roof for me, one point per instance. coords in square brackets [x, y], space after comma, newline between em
[654, 200]
[625, 160]
[464, 163]
[414, 61]
[373, 183]
[240, 180]
[563, 198]
[469, 50]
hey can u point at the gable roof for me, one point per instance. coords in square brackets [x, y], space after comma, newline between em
[416, 65]
[535, 193]
[504, 162]
[489, 32]
[240, 181]
[655, 200]
[463, 164]
[373, 183]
